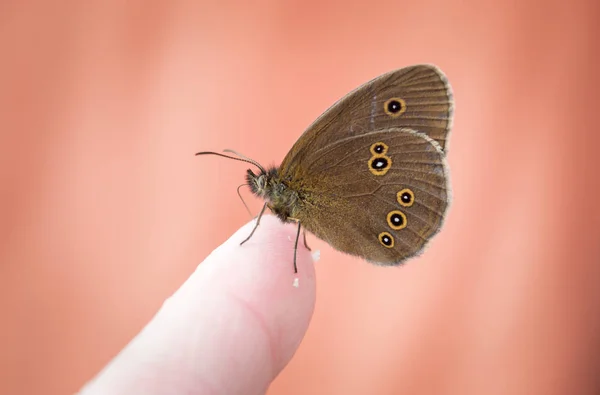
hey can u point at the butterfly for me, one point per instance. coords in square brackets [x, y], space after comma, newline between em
[369, 176]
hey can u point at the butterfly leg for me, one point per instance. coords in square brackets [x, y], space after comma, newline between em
[305, 245]
[296, 247]
[296, 243]
[257, 223]
[242, 199]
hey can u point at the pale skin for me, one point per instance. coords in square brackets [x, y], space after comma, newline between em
[229, 329]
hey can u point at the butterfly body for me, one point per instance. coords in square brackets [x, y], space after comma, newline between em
[282, 198]
[369, 176]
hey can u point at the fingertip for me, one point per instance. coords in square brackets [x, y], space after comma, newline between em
[261, 273]
[273, 305]
[230, 328]
[270, 249]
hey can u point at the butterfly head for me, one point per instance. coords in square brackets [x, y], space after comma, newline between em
[264, 183]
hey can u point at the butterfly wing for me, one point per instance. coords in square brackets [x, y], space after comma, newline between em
[380, 195]
[417, 97]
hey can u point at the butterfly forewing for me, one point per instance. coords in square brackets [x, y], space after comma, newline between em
[417, 97]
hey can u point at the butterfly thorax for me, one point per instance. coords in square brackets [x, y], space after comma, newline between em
[281, 200]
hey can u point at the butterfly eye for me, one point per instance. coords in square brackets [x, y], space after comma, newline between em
[379, 165]
[396, 220]
[386, 239]
[379, 148]
[405, 197]
[394, 107]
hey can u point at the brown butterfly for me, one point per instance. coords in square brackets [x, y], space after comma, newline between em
[369, 176]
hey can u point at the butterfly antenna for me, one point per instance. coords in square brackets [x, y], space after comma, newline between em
[241, 158]
[242, 199]
[255, 163]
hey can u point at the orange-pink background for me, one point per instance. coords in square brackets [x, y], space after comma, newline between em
[105, 211]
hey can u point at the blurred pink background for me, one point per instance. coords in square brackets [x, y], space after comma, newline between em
[105, 211]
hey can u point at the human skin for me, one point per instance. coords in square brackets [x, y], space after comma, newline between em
[229, 329]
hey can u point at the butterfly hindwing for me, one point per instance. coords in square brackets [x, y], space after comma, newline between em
[386, 191]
